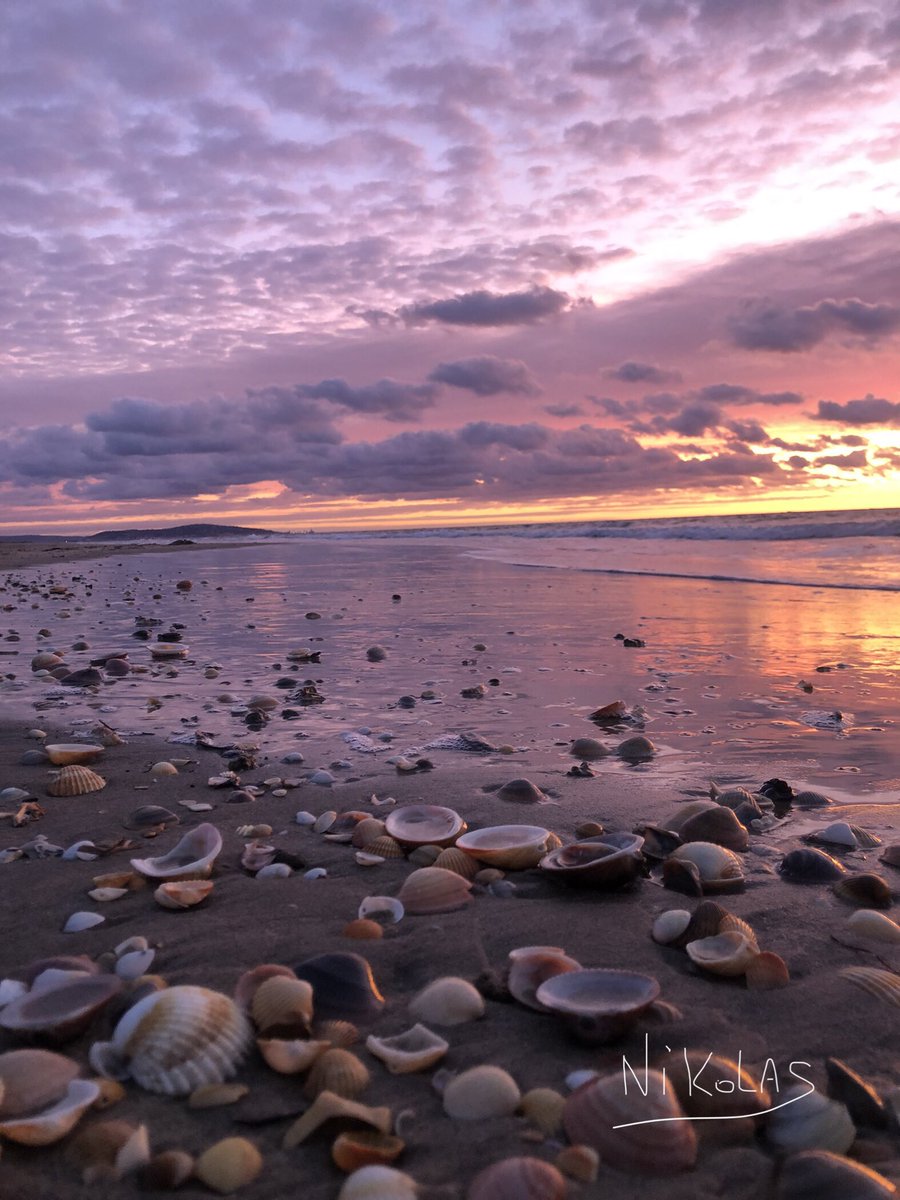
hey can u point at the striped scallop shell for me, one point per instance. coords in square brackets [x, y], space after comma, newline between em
[434, 890]
[385, 847]
[457, 861]
[175, 1040]
[885, 985]
[339, 1071]
[282, 1006]
[75, 780]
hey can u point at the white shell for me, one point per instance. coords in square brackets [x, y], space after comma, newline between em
[714, 863]
[192, 857]
[80, 921]
[873, 925]
[447, 1001]
[810, 1122]
[480, 1093]
[670, 925]
[415, 1050]
[728, 953]
[376, 1182]
[386, 910]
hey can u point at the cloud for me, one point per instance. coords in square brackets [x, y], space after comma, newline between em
[637, 372]
[847, 462]
[871, 410]
[395, 401]
[484, 308]
[763, 325]
[487, 376]
[564, 410]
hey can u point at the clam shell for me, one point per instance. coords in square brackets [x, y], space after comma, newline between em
[766, 972]
[636, 749]
[683, 877]
[685, 812]
[867, 889]
[521, 791]
[821, 1175]
[447, 1001]
[385, 847]
[863, 1103]
[343, 987]
[811, 866]
[386, 910]
[481, 1093]
[377, 1182]
[530, 966]
[885, 985]
[543, 1107]
[718, 825]
[706, 921]
[75, 781]
[708, 1085]
[807, 1120]
[228, 1165]
[174, 1040]
[339, 1071]
[454, 859]
[180, 894]
[588, 749]
[579, 1162]
[252, 980]
[64, 754]
[366, 831]
[839, 834]
[191, 858]
[290, 1057]
[727, 953]
[328, 1107]
[424, 856]
[732, 924]
[60, 1013]
[519, 1178]
[600, 1004]
[424, 824]
[605, 1112]
[282, 1007]
[510, 847]
[45, 1128]
[891, 855]
[611, 861]
[31, 1080]
[874, 925]
[433, 890]
[415, 1050]
[365, 1147]
[810, 799]
[670, 925]
[720, 869]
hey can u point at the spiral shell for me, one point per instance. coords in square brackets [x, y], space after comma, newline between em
[519, 1178]
[174, 1040]
[447, 1001]
[415, 1050]
[75, 780]
[433, 890]
[480, 1093]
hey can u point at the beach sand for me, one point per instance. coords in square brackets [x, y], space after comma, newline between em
[248, 921]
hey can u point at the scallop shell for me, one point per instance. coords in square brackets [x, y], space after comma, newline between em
[174, 1040]
[530, 966]
[365, 1147]
[282, 1007]
[64, 754]
[821, 1175]
[376, 1182]
[885, 985]
[454, 859]
[433, 890]
[543, 1107]
[447, 1001]
[867, 889]
[385, 847]
[766, 972]
[290, 1057]
[45, 1128]
[519, 1178]
[228, 1165]
[481, 1093]
[250, 982]
[706, 921]
[632, 1131]
[708, 1085]
[670, 925]
[510, 847]
[720, 869]
[31, 1080]
[62, 1012]
[191, 858]
[415, 1050]
[732, 924]
[718, 825]
[727, 953]
[810, 799]
[424, 824]
[366, 832]
[328, 1107]
[600, 1004]
[181, 894]
[807, 1120]
[339, 1071]
[75, 781]
[874, 925]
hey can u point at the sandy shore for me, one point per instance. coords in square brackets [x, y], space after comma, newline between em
[14, 555]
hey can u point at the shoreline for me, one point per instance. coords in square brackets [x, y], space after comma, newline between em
[14, 555]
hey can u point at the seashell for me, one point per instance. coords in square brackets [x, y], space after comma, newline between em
[75, 781]
[766, 972]
[521, 791]
[174, 1040]
[658, 842]
[730, 797]
[681, 876]
[31, 1080]
[811, 866]
[636, 749]
[290, 1056]
[345, 824]
[167, 1171]
[60, 1013]
[282, 1007]
[821, 1175]
[64, 754]
[366, 832]
[376, 1182]
[866, 889]
[614, 711]
[720, 869]
[254, 831]
[424, 824]
[251, 981]
[415, 1050]
[864, 839]
[386, 910]
[275, 870]
[810, 799]
[106, 735]
[119, 879]
[521, 1177]
[863, 1103]
[133, 965]
[433, 890]
[365, 1147]
[456, 860]
[718, 825]
[149, 816]
[588, 749]
[191, 858]
[339, 1071]
[180, 894]
[543, 1107]
[885, 985]
[481, 1093]
[589, 830]
[80, 921]
[385, 847]
[217, 1095]
[530, 966]
[732, 924]
[328, 1107]
[579, 1162]
[256, 855]
[343, 987]
[873, 925]
[725, 954]
[510, 847]
[424, 856]
[168, 650]
[447, 1001]
[708, 1085]
[633, 1132]
[670, 925]
[839, 834]
[51, 1125]
[807, 1120]
[365, 858]
[104, 895]
[339, 1034]
[684, 812]
[600, 1004]
[162, 768]
[62, 962]
[324, 822]
[228, 1165]
[109, 1150]
[363, 929]
[611, 861]
[111, 1092]
[891, 855]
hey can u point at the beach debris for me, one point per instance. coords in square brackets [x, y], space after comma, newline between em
[447, 1001]
[480, 1093]
[612, 860]
[520, 1176]
[190, 858]
[598, 1004]
[430, 890]
[807, 1120]
[75, 780]
[416, 1049]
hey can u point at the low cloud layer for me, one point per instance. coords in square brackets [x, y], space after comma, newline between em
[767, 326]
[488, 309]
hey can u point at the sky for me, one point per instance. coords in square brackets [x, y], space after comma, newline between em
[368, 263]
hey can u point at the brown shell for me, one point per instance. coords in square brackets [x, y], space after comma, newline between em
[767, 972]
[385, 847]
[282, 1007]
[75, 780]
[434, 890]
[31, 1080]
[363, 929]
[708, 1085]
[338, 1071]
[366, 831]
[519, 1178]
[364, 1147]
[718, 825]
[457, 861]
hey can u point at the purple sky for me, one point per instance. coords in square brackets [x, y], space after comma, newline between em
[301, 264]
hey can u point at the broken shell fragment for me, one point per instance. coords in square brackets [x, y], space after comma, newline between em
[229, 1165]
[364, 1147]
[75, 781]
[181, 894]
[191, 858]
[598, 1005]
[447, 1001]
[290, 1057]
[481, 1093]
[415, 1050]
[328, 1107]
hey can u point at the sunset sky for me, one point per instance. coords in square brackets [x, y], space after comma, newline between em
[354, 263]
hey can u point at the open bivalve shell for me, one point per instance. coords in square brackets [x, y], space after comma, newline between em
[434, 890]
[521, 1177]
[610, 861]
[365, 1147]
[64, 754]
[290, 1057]
[106, 1151]
[807, 1120]
[509, 847]
[600, 1004]
[175, 1040]
[181, 894]
[728, 953]
[45, 1128]
[447, 1001]
[75, 781]
[481, 1093]
[191, 858]
[424, 824]
[31, 1080]
[641, 1134]
[530, 966]
[60, 1013]
[415, 1050]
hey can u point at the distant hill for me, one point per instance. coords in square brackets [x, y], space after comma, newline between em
[180, 531]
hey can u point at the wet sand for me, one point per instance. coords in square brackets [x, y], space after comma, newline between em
[14, 555]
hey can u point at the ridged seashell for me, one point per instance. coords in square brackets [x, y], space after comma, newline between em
[603, 1114]
[75, 781]
[424, 824]
[579, 1162]
[345, 824]
[708, 1085]
[385, 847]
[162, 768]
[51, 1125]
[175, 1040]
[821, 1175]
[720, 869]
[365, 1147]
[366, 831]
[433, 890]
[191, 858]
[447, 1001]
[885, 985]
[60, 1013]
[363, 929]
[706, 921]
[684, 812]
[874, 925]
[598, 1005]
[64, 754]
[718, 825]
[510, 847]
[611, 861]
[543, 1107]
[732, 924]
[456, 860]
[807, 1120]
[766, 972]
[291, 1056]
[282, 1007]
[891, 855]
[636, 749]
[31, 1080]
[329, 1107]
[343, 987]
[810, 799]
[180, 894]
[867, 889]
[521, 791]
[670, 925]
[481, 1093]
[530, 966]
[386, 910]
[730, 797]
[228, 1165]
[338, 1034]
[376, 1182]
[250, 982]
[415, 1050]
[725, 954]
[339, 1071]
[864, 839]
[519, 1178]
[811, 866]
[167, 1171]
